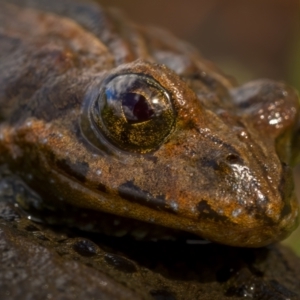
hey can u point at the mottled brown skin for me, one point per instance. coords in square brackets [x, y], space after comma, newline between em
[221, 173]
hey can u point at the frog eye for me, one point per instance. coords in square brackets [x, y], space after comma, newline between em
[134, 112]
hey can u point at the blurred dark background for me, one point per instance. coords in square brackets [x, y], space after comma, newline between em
[246, 38]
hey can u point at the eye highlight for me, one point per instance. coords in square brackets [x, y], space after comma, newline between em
[134, 112]
[136, 108]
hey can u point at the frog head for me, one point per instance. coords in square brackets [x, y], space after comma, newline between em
[88, 119]
[141, 142]
[154, 147]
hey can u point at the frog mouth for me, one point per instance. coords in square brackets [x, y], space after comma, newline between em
[99, 222]
[91, 220]
[126, 223]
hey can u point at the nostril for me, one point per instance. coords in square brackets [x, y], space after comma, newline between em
[232, 158]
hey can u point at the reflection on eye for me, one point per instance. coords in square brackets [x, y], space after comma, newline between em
[136, 108]
[134, 112]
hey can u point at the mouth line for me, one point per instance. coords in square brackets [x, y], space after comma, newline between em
[231, 234]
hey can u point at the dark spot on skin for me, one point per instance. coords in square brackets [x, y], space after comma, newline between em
[85, 248]
[120, 263]
[259, 213]
[206, 212]
[162, 295]
[287, 209]
[267, 220]
[209, 163]
[215, 140]
[152, 158]
[190, 124]
[77, 170]
[133, 193]
[101, 187]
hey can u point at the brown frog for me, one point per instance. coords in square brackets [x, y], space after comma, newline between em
[128, 121]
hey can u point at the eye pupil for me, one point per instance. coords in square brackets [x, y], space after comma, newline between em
[136, 108]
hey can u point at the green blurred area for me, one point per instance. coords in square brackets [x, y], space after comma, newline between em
[294, 240]
[294, 78]
[295, 63]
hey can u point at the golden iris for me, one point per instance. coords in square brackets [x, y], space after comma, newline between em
[134, 112]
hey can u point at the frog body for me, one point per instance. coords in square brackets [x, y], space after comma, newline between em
[103, 115]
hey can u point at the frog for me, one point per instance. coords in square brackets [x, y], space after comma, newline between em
[130, 123]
